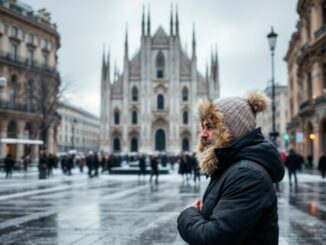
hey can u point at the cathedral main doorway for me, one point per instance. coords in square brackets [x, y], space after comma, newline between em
[160, 140]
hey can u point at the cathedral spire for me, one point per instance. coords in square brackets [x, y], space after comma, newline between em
[171, 21]
[108, 65]
[176, 21]
[103, 64]
[126, 42]
[206, 75]
[143, 23]
[193, 42]
[149, 21]
[216, 65]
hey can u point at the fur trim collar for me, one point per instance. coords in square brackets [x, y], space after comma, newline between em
[208, 161]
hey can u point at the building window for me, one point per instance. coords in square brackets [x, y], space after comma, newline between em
[134, 117]
[12, 133]
[117, 118]
[324, 68]
[134, 94]
[13, 91]
[160, 65]
[30, 56]
[116, 145]
[14, 51]
[14, 31]
[30, 38]
[160, 102]
[46, 44]
[45, 59]
[134, 145]
[185, 94]
[309, 85]
[185, 117]
[185, 144]
[30, 95]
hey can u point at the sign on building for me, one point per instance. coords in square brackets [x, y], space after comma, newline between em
[299, 137]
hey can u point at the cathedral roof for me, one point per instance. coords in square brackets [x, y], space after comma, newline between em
[160, 37]
[135, 65]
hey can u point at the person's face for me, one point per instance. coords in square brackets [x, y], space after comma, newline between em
[206, 134]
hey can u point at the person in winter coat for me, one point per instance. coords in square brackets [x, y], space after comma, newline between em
[9, 165]
[322, 165]
[293, 162]
[239, 205]
[154, 168]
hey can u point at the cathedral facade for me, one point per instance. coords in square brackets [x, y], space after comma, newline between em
[151, 105]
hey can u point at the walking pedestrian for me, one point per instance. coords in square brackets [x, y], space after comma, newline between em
[293, 162]
[322, 165]
[9, 165]
[154, 166]
[240, 202]
[142, 166]
[43, 164]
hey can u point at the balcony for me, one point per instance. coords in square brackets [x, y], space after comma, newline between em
[25, 62]
[160, 112]
[320, 100]
[320, 32]
[5, 105]
[307, 107]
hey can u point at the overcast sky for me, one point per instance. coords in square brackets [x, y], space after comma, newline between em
[238, 27]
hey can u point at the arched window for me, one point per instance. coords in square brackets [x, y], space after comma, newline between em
[160, 63]
[116, 145]
[185, 117]
[185, 94]
[134, 145]
[30, 95]
[134, 118]
[134, 94]
[12, 131]
[116, 117]
[185, 144]
[160, 140]
[160, 102]
[13, 91]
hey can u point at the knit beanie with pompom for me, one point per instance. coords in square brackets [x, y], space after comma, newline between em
[240, 113]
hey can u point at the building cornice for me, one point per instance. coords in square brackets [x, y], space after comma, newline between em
[44, 27]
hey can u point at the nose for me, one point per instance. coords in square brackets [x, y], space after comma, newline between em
[204, 133]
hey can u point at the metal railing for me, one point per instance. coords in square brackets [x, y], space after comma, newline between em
[320, 31]
[26, 62]
[5, 105]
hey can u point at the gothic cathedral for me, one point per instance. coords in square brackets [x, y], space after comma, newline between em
[151, 105]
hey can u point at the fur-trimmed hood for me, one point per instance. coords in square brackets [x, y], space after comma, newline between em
[208, 162]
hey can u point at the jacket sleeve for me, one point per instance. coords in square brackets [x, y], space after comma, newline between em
[234, 217]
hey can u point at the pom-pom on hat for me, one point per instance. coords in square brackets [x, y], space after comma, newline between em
[240, 113]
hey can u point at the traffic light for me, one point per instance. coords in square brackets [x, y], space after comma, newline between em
[286, 137]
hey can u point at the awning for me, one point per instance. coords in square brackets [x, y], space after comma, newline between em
[21, 141]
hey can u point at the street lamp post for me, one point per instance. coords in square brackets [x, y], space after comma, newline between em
[3, 83]
[272, 42]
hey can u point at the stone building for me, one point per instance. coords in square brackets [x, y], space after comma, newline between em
[306, 59]
[264, 120]
[79, 130]
[29, 80]
[150, 106]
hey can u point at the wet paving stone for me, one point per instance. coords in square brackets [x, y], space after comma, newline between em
[125, 210]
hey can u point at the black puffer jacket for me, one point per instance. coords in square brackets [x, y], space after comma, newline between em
[240, 204]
